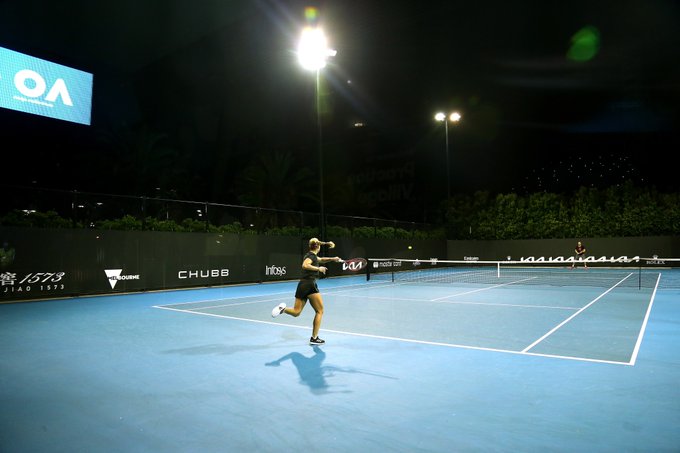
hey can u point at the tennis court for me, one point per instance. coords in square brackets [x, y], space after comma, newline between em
[408, 366]
[513, 314]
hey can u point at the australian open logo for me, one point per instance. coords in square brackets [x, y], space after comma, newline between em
[33, 86]
[114, 276]
[354, 265]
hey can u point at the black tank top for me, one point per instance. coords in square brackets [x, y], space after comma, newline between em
[306, 273]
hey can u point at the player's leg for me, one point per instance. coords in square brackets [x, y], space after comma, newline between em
[317, 304]
[296, 309]
[303, 289]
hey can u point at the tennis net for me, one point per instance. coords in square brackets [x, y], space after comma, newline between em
[632, 273]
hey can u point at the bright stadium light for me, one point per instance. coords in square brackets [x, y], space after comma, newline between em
[454, 117]
[313, 51]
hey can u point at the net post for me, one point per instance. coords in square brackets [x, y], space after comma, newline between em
[639, 275]
[498, 269]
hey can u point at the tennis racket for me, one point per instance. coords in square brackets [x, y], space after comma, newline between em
[354, 264]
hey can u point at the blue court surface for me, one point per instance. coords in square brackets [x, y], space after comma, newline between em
[406, 368]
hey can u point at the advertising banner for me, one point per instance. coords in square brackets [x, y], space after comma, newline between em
[40, 263]
[40, 87]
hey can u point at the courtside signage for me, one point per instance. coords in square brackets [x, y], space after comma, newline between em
[115, 275]
[274, 270]
[354, 264]
[40, 87]
[11, 282]
[589, 259]
[203, 273]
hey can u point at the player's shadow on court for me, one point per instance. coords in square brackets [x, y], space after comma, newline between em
[313, 374]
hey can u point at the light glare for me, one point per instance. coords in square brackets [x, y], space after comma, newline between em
[313, 49]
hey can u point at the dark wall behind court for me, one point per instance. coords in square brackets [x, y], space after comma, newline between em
[46, 263]
[644, 247]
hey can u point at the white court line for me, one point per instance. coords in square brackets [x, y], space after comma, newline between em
[224, 298]
[387, 298]
[402, 340]
[252, 302]
[391, 299]
[554, 329]
[633, 358]
[219, 316]
[455, 302]
[361, 287]
[482, 289]
[425, 277]
[291, 295]
[552, 307]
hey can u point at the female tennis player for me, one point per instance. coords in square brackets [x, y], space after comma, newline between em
[307, 288]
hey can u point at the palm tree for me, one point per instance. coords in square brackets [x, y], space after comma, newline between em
[142, 159]
[274, 180]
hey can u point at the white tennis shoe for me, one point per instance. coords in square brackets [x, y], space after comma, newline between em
[278, 310]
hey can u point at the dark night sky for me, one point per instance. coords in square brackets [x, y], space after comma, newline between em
[217, 85]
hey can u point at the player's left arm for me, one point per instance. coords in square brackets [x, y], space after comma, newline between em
[326, 259]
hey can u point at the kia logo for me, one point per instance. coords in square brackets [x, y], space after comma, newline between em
[354, 265]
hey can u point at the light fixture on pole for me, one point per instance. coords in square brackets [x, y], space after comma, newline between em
[453, 117]
[313, 53]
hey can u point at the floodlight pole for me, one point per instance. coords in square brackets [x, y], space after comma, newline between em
[455, 117]
[313, 53]
[320, 151]
[448, 166]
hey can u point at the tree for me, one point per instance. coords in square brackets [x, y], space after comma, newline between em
[142, 159]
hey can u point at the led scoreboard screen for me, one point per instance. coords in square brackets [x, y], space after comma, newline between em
[40, 87]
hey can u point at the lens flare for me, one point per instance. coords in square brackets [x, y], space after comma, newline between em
[311, 14]
[584, 44]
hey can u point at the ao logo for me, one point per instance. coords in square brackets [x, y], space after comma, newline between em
[33, 85]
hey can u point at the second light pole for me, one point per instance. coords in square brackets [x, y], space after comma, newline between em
[453, 117]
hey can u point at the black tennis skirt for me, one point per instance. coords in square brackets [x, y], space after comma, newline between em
[306, 287]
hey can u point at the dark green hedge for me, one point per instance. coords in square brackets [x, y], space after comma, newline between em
[618, 211]
[51, 219]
